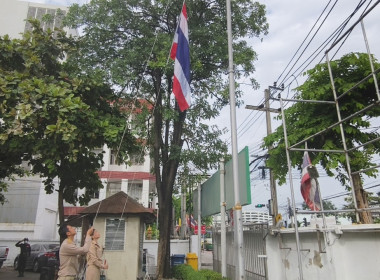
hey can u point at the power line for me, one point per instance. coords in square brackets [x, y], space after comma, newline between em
[304, 40]
[318, 51]
[348, 193]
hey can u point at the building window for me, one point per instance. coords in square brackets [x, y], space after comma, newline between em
[53, 18]
[135, 190]
[137, 159]
[113, 188]
[113, 158]
[115, 233]
[94, 195]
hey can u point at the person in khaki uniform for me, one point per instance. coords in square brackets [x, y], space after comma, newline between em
[94, 258]
[69, 251]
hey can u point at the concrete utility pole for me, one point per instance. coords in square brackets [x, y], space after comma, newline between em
[273, 188]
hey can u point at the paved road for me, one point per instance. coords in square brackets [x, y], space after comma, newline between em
[8, 273]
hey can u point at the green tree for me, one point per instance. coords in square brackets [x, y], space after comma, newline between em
[131, 40]
[373, 200]
[306, 119]
[327, 205]
[54, 117]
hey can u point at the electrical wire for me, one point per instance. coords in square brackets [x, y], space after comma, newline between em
[304, 40]
[318, 51]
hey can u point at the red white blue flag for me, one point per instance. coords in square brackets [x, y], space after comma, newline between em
[180, 53]
[191, 222]
[309, 184]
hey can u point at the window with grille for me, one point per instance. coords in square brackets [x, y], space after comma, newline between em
[113, 187]
[94, 195]
[115, 234]
[55, 17]
[135, 190]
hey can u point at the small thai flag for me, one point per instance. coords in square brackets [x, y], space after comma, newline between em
[180, 53]
[309, 184]
[193, 222]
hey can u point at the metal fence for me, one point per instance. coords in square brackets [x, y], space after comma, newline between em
[254, 252]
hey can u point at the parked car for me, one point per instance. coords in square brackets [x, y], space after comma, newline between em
[4, 250]
[50, 258]
[37, 251]
[49, 263]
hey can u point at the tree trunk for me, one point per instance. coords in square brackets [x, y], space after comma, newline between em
[361, 200]
[166, 144]
[164, 220]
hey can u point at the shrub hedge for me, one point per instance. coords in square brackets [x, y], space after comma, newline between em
[186, 272]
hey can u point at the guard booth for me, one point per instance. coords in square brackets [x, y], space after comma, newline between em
[121, 222]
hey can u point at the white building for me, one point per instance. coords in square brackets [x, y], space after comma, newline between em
[255, 217]
[13, 14]
[29, 211]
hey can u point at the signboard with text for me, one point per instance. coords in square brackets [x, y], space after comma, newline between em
[203, 230]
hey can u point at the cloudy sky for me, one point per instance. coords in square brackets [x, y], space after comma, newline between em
[283, 57]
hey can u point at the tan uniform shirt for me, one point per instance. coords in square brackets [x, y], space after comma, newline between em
[68, 256]
[94, 256]
[94, 261]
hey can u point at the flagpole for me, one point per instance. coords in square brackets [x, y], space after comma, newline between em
[291, 190]
[238, 236]
[199, 228]
[223, 221]
[325, 237]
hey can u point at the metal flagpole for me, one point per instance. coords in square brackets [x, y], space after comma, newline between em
[291, 190]
[199, 227]
[238, 236]
[223, 221]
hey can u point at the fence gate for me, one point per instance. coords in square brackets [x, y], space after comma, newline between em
[254, 252]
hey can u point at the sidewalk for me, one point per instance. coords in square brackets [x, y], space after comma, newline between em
[8, 273]
[206, 260]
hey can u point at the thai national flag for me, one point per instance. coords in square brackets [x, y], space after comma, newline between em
[309, 184]
[192, 222]
[180, 53]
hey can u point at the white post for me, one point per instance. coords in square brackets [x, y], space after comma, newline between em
[199, 227]
[223, 221]
[183, 214]
[238, 236]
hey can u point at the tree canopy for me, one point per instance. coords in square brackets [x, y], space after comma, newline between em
[131, 41]
[54, 116]
[306, 119]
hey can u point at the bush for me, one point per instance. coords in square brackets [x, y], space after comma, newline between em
[186, 272]
[211, 275]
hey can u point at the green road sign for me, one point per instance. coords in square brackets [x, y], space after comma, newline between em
[210, 190]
